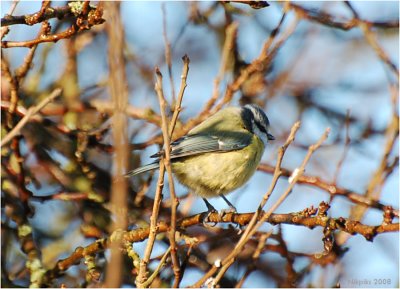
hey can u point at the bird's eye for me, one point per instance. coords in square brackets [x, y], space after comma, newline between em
[261, 127]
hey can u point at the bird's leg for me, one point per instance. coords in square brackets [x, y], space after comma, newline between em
[231, 209]
[210, 210]
[210, 207]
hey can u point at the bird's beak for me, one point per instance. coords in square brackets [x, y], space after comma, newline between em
[270, 136]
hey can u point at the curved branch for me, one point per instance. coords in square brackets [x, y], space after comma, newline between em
[86, 16]
[329, 20]
[30, 113]
[304, 218]
[331, 188]
[34, 18]
[43, 38]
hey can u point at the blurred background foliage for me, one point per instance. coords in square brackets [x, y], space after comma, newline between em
[337, 67]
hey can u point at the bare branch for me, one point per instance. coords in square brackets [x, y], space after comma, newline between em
[167, 164]
[30, 113]
[177, 109]
[298, 219]
[5, 29]
[329, 20]
[84, 20]
[119, 95]
[34, 18]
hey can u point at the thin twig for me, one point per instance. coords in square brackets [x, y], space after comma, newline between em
[252, 4]
[72, 30]
[175, 201]
[346, 148]
[5, 29]
[30, 112]
[167, 129]
[371, 39]
[253, 221]
[331, 188]
[168, 52]
[21, 71]
[378, 178]
[177, 109]
[259, 64]
[295, 177]
[167, 164]
[229, 44]
[158, 269]
[250, 231]
[147, 114]
[330, 21]
[153, 229]
[276, 176]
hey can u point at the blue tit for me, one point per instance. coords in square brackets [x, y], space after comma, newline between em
[220, 154]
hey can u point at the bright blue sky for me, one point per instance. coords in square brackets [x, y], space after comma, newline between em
[345, 73]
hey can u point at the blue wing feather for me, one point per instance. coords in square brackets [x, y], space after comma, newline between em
[195, 144]
[143, 169]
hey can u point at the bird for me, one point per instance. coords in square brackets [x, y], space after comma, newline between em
[220, 154]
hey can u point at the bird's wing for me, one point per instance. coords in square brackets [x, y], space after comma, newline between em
[190, 145]
[148, 167]
[195, 144]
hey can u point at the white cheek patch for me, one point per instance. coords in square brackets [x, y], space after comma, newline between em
[259, 116]
[263, 136]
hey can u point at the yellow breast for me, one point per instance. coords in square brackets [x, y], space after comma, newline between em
[213, 174]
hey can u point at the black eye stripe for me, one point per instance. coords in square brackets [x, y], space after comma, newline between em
[248, 118]
[254, 116]
[261, 127]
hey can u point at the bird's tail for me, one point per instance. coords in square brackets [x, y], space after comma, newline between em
[143, 169]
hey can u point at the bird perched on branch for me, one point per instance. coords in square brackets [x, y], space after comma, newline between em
[220, 154]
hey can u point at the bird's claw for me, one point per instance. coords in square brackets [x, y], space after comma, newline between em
[206, 218]
[231, 210]
[211, 209]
